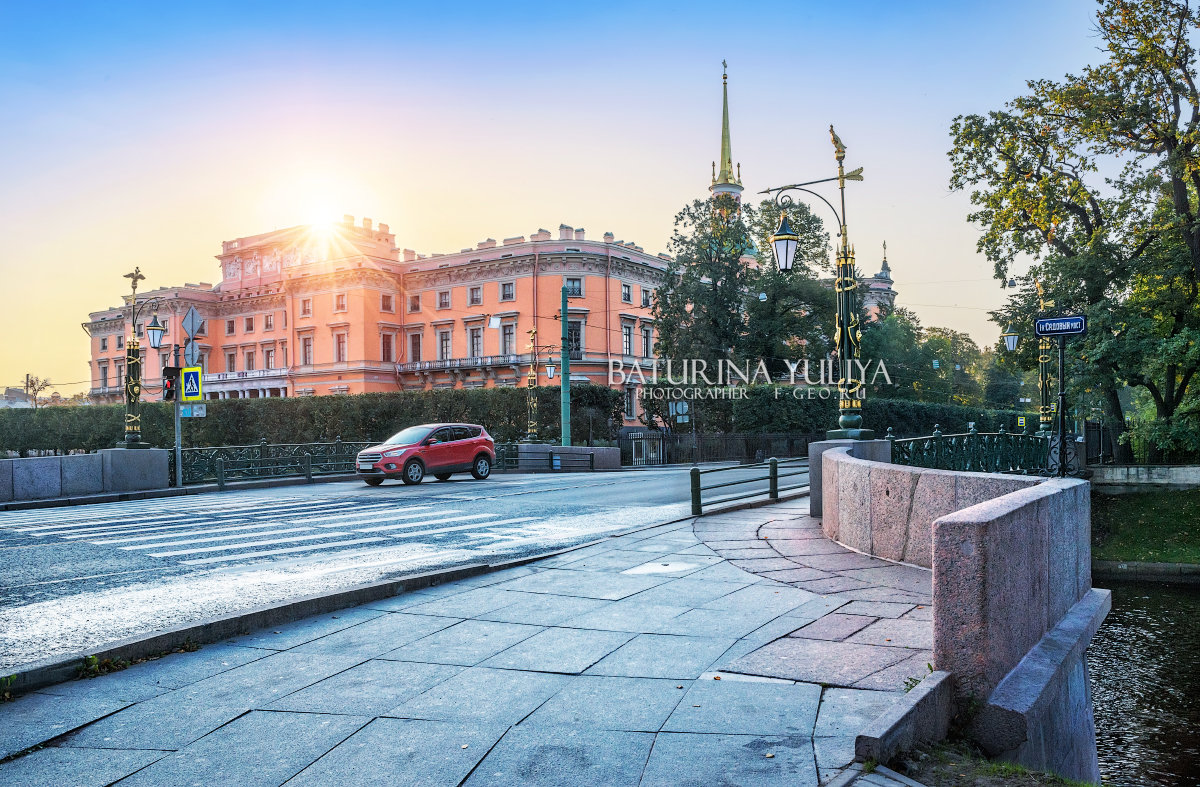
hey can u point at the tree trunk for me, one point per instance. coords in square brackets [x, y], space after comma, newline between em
[1115, 420]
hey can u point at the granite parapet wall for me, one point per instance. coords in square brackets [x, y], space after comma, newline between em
[888, 510]
[75, 475]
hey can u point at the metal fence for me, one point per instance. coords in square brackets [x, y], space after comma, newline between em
[984, 452]
[222, 464]
[658, 448]
[775, 470]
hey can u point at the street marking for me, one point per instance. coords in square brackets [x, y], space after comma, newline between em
[281, 551]
[245, 546]
[162, 544]
[138, 527]
[420, 524]
[475, 525]
[395, 513]
[186, 533]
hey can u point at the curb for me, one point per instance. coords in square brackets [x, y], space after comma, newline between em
[1174, 573]
[58, 670]
[922, 716]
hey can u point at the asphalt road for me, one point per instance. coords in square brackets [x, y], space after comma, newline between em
[72, 579]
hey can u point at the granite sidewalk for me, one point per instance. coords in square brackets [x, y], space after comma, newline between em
[740, 648]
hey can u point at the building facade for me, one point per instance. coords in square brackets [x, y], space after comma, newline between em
[341, 310]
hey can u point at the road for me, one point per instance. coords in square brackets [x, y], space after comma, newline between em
[73, 579]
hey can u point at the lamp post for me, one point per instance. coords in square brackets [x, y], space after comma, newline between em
[848, 334]
[133, 362]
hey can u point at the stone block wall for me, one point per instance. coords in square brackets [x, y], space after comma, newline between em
[110, 470]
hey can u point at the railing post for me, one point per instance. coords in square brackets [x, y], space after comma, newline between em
[308, 467]
[891, 438]
[697, 507]
[773, 479]
[220, 473]
[550, 459]
[592, 460]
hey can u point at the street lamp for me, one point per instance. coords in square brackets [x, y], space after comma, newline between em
[1010, 339]
[848, 334]
[133, 361]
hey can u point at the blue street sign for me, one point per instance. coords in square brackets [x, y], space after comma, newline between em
[191, 384]
[1060, 326]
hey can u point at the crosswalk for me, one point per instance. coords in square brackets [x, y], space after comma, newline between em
[204, 532]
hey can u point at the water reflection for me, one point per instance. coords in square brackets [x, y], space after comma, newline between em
[1145, 671]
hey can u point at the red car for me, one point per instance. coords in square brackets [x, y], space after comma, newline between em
[439, 449]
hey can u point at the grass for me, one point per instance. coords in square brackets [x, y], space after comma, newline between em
[960, 764]
[1156, 527]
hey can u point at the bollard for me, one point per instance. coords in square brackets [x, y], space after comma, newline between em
[308, 467]
[773, 479]
[697, 506]
[220, 473]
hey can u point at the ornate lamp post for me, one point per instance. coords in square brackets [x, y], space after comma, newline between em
[848, 333]
[133, 362]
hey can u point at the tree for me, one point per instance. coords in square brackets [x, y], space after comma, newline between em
[1123, 249]
[34, 386]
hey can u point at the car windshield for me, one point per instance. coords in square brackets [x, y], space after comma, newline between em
[409, 436]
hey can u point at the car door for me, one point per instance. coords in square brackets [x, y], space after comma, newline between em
[439, 454]
[463, 448]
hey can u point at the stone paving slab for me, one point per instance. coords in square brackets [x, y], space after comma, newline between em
[585, 668]
[283, 745]
[566, 756]
[60, 767]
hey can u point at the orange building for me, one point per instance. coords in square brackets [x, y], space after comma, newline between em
[340, 309]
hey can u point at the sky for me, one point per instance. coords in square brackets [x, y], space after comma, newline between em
[145, 134]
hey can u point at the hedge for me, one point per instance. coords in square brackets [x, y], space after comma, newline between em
[595, 414]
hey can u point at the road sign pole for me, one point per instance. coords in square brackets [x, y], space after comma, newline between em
[565, 380]
[178, 426]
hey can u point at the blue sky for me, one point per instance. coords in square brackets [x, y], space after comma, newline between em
[144, 134]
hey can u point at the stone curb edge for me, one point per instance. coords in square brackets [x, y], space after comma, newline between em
[921, 716]
[1181, 573]
[55, 671]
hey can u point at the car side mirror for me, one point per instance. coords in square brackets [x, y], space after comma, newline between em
[429, 441]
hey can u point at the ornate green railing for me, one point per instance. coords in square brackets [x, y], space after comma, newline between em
[984, 452]
[222, 464]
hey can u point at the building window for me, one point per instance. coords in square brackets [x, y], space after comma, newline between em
[203, 329]
[386, 349]
[104, 344]
[387, 303]
[574, 287]
[508, 291]
[249, 325]
[121, 342]
[339, 302]
[647, 342]
[508, 339]
[306, 307]
[119, 373]
[474, 296]
[268, 359]
[414, 347]
[249, 360]
[283, 353]
[626, 293]
[268, 322]
[444, 299]
[646, 294]
[164, 360]
[339, 348]
[230, 362]
[575, 339]
[475, 342]
[230, 327]
[443, 345]
[626, 340]
[138, 330]
[306, 348]
[629, 403]
[414, 303]
[102, 374]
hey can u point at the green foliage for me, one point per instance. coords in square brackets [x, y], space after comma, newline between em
[503, 411]
[1122, 249]
[1156, 527]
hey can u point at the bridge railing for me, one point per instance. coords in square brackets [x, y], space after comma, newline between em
[983, 452]
[770, 471]
[222, 464]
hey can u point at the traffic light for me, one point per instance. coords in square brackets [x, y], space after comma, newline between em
[170, 378]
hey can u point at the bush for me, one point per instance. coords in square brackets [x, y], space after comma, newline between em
[364, 417]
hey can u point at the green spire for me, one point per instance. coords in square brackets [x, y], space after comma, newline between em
[726, 175]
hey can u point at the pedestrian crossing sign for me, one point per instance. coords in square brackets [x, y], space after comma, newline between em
[191, 384]
[1021, 421]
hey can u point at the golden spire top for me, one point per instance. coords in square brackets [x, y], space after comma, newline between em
[726, 176]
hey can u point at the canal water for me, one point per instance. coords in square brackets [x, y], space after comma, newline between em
[1145, 670]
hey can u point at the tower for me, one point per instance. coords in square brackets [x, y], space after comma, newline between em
[725, 181]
